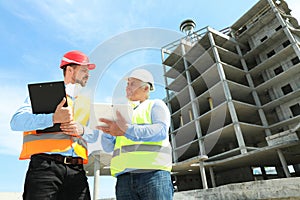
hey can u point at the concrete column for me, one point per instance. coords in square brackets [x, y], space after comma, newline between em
[263, 173]
[254, 93]
[283, 163]
[181, 120]
[195, 112]
[210, 101]
[232, 111]
[96, 176]
[297, 169]
[191, 115]
[280, 171]
[174, 154]
[203, 175]
[212, 177]
[170, 109]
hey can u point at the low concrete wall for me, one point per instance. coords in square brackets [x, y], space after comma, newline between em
[275, 189]
[287, 188]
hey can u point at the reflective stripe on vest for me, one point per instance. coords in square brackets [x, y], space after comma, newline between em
[34, 143]
[141, 147]
[53, 136]
[129, 154]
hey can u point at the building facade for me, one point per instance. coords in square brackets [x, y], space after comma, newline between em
[234, 97]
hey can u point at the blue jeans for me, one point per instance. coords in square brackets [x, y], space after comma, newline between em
[153, 185]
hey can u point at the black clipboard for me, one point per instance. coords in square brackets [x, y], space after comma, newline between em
[44, 99]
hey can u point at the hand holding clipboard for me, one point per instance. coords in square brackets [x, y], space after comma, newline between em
[45, 98]
[62, 114]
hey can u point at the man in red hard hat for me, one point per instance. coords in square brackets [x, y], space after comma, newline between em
[56, 159]
[75, 58]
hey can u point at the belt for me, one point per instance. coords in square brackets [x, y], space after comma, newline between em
[68, 160]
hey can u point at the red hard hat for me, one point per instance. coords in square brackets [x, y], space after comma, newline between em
[76, 57]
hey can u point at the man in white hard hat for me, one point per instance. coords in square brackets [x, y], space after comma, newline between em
[141, 150]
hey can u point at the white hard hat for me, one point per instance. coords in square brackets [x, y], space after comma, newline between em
[144, 76]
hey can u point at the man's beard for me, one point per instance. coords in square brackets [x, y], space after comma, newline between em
[82, 81]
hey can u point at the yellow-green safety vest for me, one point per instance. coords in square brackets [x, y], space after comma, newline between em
[130, 154]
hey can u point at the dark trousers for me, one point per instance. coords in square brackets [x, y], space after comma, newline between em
[47, 179]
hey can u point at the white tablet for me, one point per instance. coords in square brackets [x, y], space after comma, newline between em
[108, 111]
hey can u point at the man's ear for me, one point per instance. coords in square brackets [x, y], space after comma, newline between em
[147, 87]
[70, 69]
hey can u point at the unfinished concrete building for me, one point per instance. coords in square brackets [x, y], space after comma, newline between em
[234, 97]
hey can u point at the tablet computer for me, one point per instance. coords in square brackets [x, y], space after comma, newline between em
[108, 111]
[44, 99]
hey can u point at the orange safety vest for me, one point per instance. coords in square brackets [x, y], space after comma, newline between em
[34, 143]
